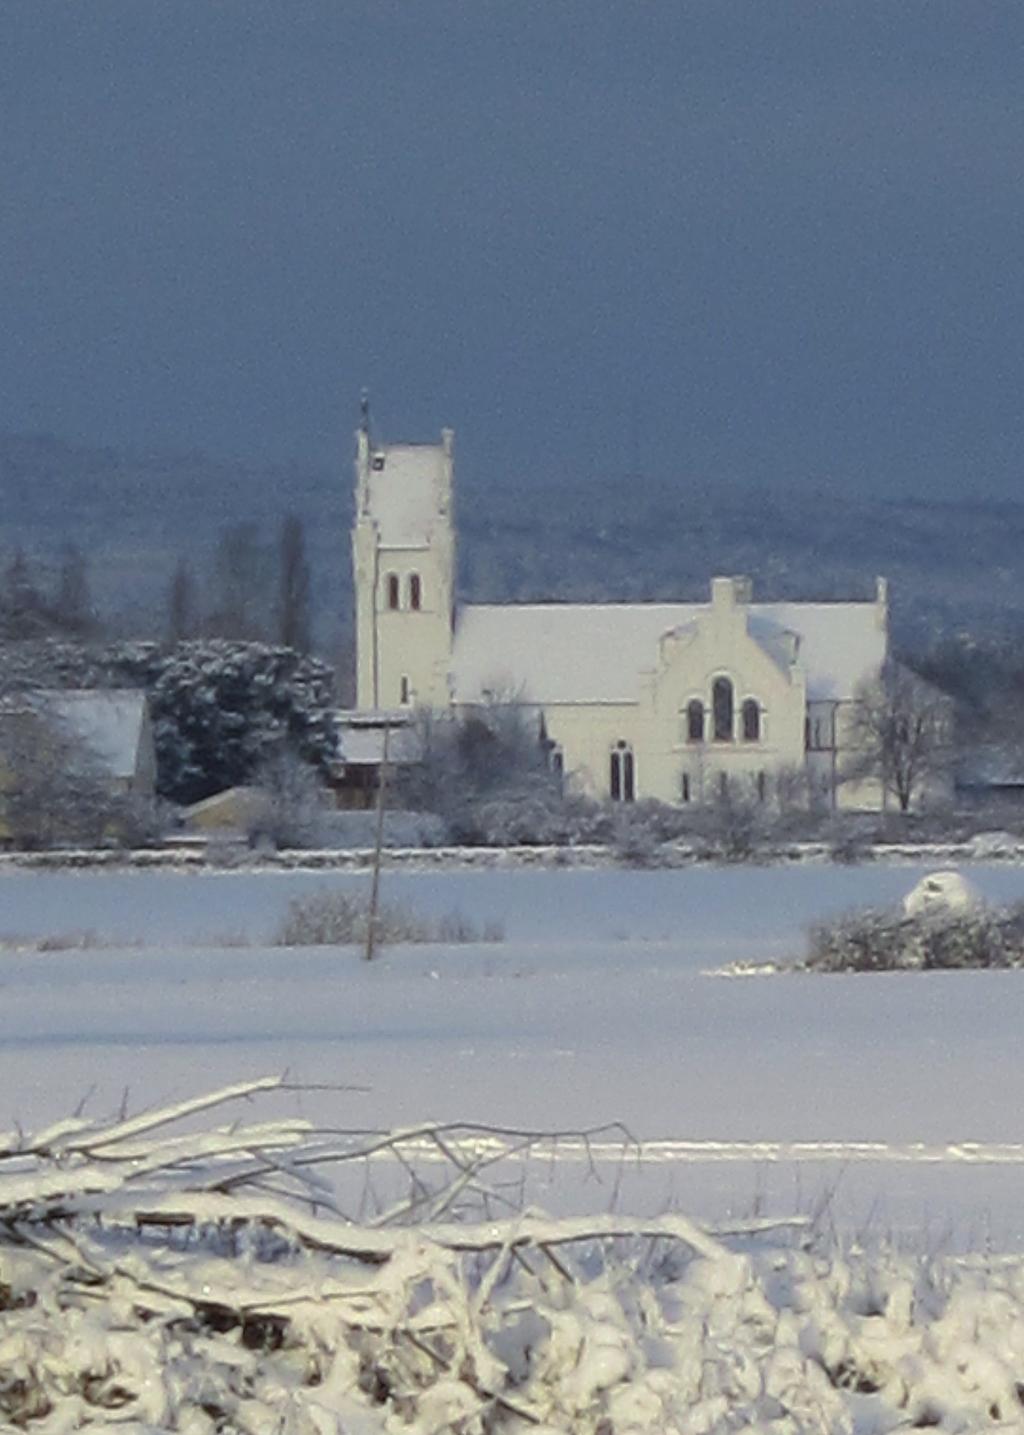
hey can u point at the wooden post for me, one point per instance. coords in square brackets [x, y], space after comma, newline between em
[371, 915]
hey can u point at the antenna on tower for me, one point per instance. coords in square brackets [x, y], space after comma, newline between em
[364, 410]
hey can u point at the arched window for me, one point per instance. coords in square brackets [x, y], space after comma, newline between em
[415, 592]
[622, 773]
[721, 708]
[394, 593]
[751, 721]
[695, 721]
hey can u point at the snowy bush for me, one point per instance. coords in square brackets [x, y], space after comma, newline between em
[161, 1276]
[890, 941]
[332, 918]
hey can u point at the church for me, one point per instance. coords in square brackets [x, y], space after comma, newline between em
[683, 702]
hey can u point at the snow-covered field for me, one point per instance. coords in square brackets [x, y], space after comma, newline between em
[895, 1098]
[885, 1110]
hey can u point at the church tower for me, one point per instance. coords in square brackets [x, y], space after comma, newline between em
[403, 560]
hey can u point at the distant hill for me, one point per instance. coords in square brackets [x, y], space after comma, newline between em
[950, 565]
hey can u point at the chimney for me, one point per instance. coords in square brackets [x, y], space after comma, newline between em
[729, 593]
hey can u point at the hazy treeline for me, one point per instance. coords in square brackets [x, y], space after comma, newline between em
[250, 590]
[165, 547]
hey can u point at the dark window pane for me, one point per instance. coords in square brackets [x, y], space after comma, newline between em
[721, 703]
[695, 721]
[751, 721]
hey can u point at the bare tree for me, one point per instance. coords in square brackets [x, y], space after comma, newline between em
[901, 736]
[182, 604]
[293, 586]
[240, 584]
[492, 754]
[73, 607]
[23, 611]
[50, 786]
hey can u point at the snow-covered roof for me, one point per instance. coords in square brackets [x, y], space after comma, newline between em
[364, 746]
[841, 644]
[597, 653]
[109, 722]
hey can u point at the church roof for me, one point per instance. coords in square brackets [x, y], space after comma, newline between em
[598, 653]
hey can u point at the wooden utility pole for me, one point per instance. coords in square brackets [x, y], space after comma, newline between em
[371, 915]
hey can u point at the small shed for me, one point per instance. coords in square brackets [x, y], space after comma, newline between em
[363, 737]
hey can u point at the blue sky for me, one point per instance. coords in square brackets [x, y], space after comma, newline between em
[778, 244]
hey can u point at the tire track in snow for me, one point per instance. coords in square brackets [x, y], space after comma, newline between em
[568, 1150]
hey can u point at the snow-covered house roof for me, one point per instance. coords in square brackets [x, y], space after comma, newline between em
[111, 723]
[598, 653]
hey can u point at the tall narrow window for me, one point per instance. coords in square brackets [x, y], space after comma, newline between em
[723, 785]
[686, 787]
[751, 721]
[762, 787]
[394, 593]
[622, 774]
[403, 690]
[721, 707]
[695, 721]
[415, 592]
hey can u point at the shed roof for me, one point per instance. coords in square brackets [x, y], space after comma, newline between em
[109, 722]
[364, 746]
[597, 653]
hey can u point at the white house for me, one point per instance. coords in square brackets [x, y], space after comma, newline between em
[676, 701]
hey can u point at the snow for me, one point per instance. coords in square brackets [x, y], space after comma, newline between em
[108, 721]
[558, 652]
[884, 1109]
[940, 892]
[901, 1093]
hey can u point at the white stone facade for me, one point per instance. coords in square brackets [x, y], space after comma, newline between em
[675, 701]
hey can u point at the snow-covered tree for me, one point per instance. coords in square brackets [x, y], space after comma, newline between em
[221, 709]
